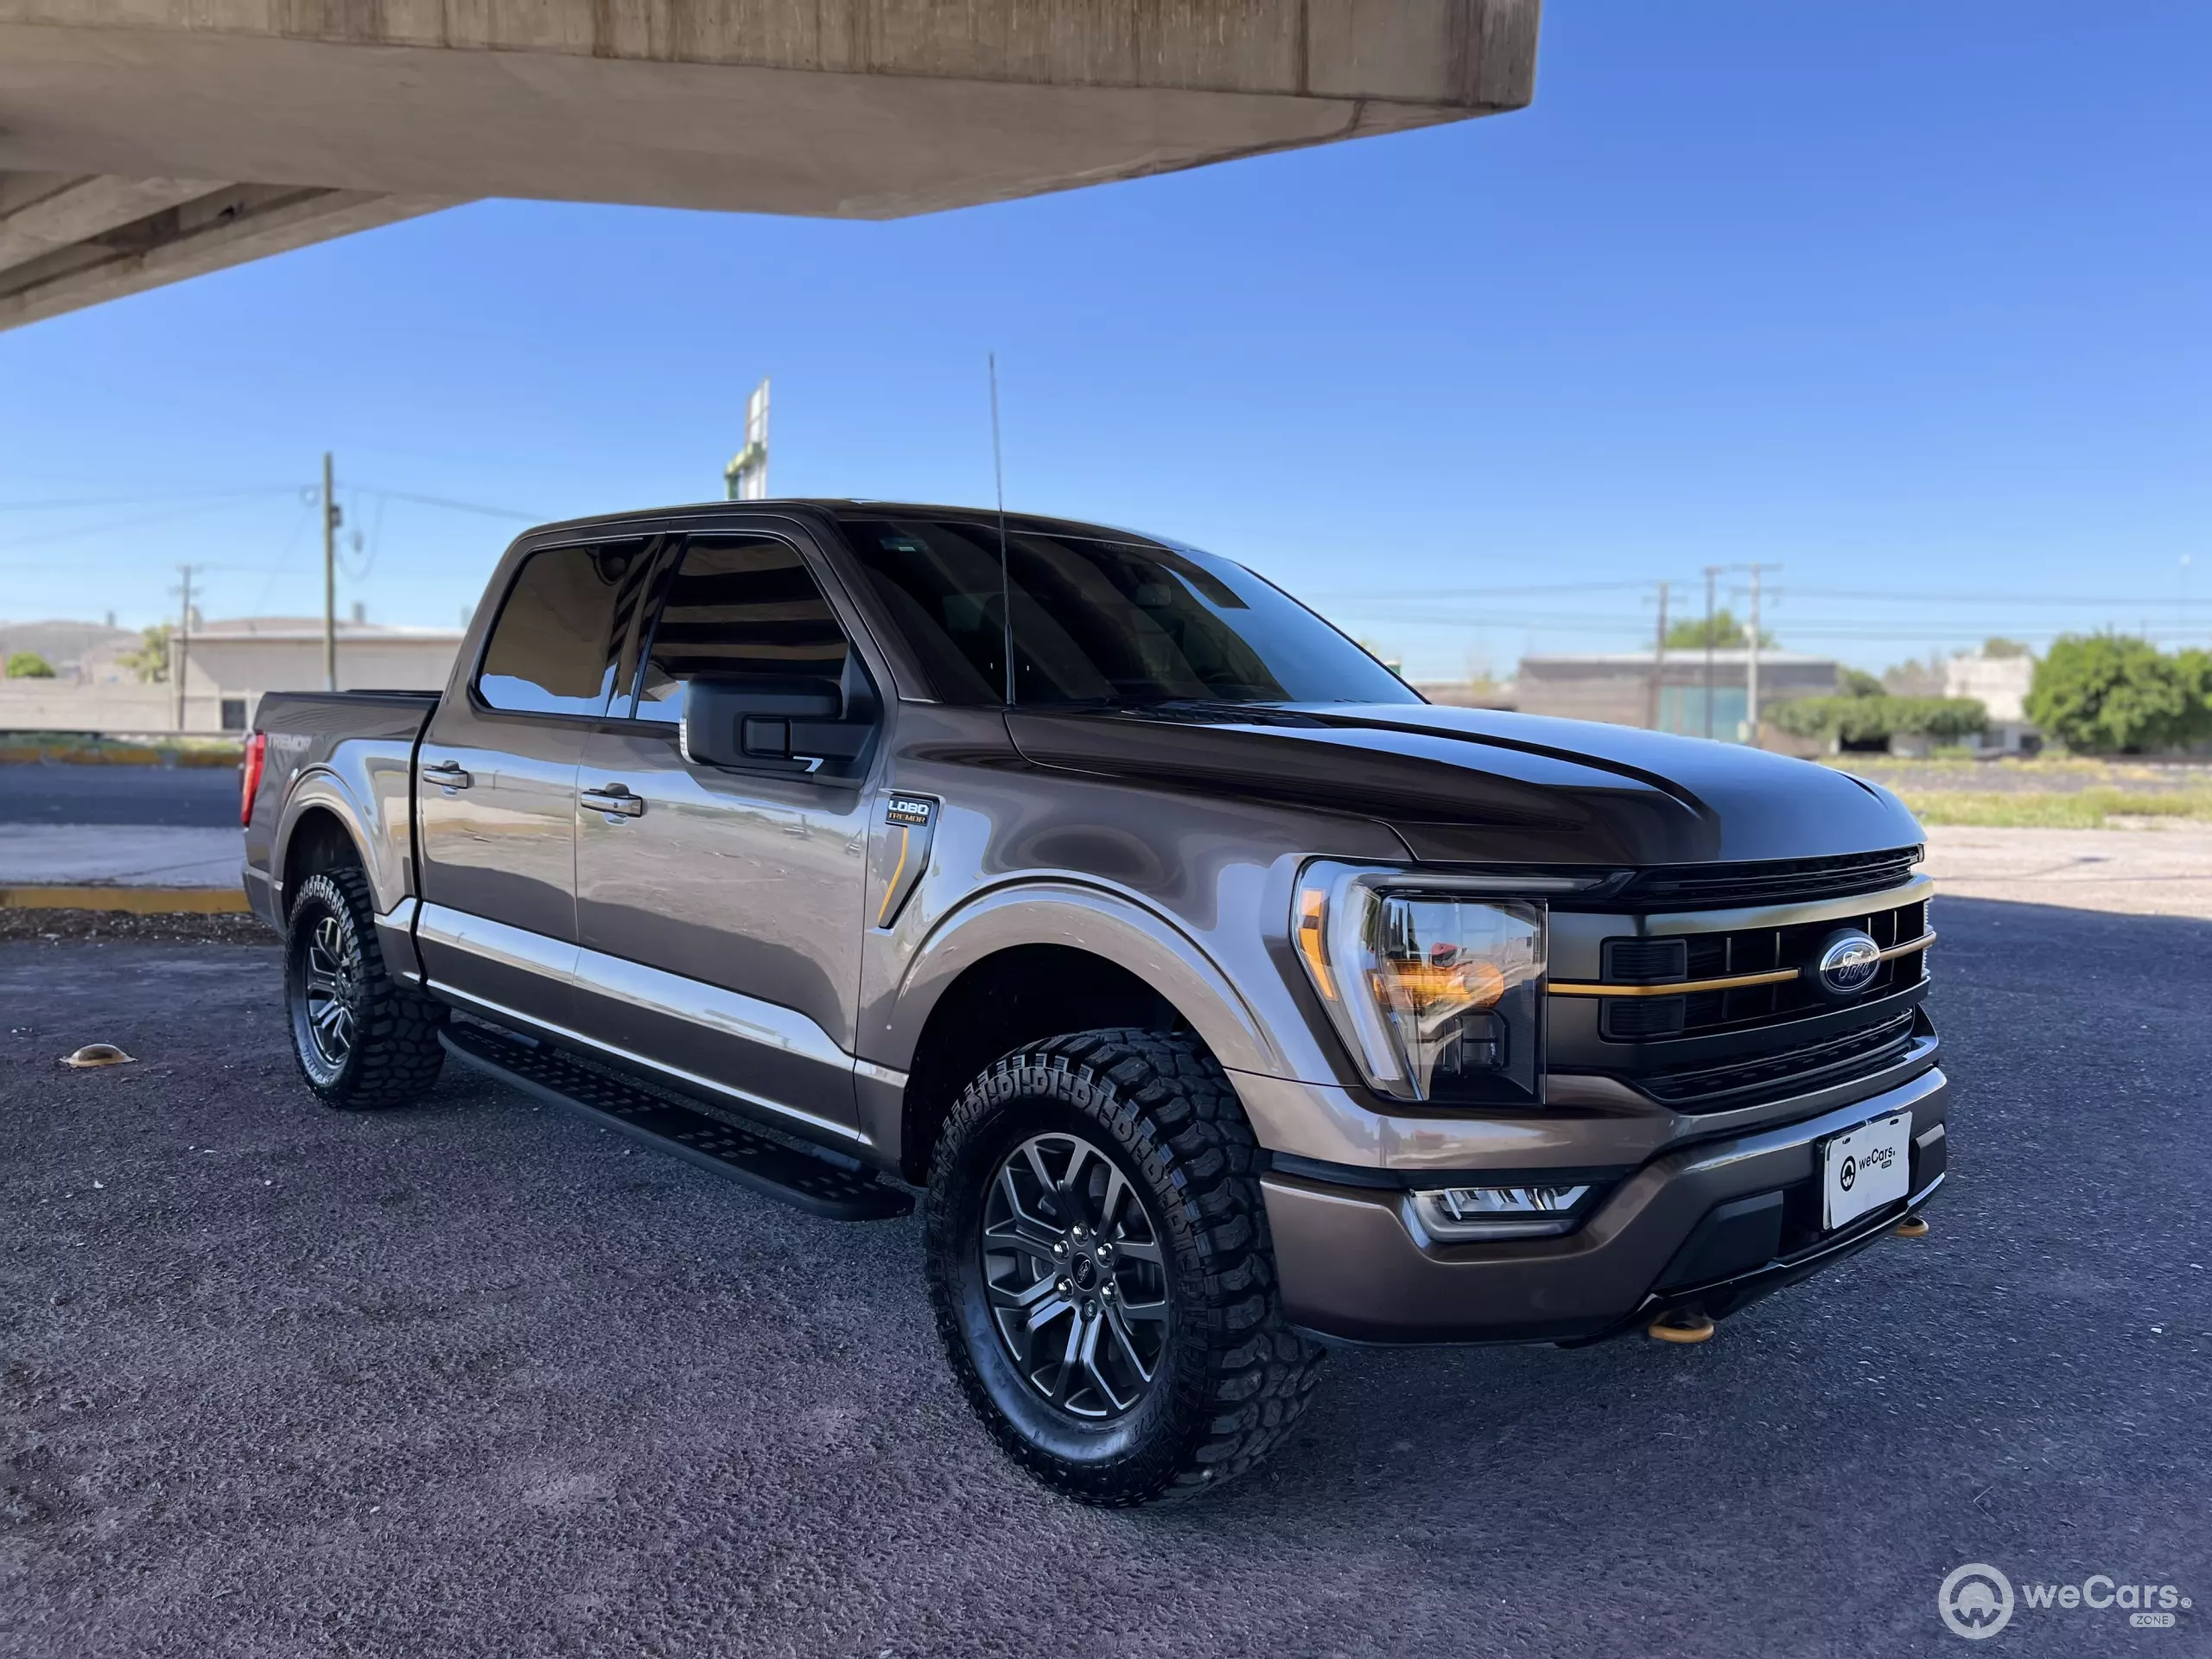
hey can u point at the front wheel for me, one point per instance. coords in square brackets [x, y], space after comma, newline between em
[361, 1037]
[1100, 1266]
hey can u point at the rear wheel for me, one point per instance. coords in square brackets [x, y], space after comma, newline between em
[362, 1039]
[1100, 1265]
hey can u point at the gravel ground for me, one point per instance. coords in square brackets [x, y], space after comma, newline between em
[478, 1378]
[53, 927]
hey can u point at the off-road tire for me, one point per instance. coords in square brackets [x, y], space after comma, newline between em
[395, 1055]
[1234, 1376]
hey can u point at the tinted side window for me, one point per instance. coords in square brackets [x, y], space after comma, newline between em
[552, 650]
[941, 584]
[738, 606]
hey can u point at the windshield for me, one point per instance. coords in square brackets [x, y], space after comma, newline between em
[1103, 621]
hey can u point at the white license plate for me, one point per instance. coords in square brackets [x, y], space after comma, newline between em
[1864, 1168]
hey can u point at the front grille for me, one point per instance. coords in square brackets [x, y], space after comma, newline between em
[1811, 1066]
[1639, 962]
[1770, 881]
[1750, 951]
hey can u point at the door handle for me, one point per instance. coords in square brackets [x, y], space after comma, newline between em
[616, 800]
[446, 774]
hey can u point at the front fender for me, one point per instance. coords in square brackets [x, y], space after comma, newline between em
[1105, 924]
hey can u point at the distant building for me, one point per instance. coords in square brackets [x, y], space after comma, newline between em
[1470, 694]
[2000, 684]
[1618, 686]
[229, 664]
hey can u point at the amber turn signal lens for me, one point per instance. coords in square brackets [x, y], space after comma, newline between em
[1312, 914]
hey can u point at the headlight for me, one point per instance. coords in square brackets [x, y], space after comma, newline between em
[1437, 993]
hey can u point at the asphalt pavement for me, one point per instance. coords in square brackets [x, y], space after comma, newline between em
[55, 792]
[478, 1378]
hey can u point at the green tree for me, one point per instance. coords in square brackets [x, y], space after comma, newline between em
[1875, 718]
[1910, 678]
[150, 661]
[1858, 682]
[2107, 693]
[1728, 634]
[28, 665]
[2196, 667]
[1998, 646]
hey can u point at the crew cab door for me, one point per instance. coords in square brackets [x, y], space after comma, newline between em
[719, 908]
[496, 786]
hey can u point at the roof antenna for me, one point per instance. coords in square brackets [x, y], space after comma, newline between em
[998, 471]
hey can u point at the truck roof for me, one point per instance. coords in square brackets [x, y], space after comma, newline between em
[843, 508]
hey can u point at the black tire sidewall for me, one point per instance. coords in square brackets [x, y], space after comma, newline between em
[1156, 1434]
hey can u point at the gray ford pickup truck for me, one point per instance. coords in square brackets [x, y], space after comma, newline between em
[1224, 999]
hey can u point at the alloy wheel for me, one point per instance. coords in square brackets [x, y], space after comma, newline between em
[1075, 1277]
[329, 984]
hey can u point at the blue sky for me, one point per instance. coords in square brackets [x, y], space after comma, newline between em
[1908, 298]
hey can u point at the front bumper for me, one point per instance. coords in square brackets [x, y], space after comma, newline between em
[1354, 1266]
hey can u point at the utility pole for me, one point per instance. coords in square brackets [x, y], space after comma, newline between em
[1659, 658]
[1711, 572]
[1751, 661]
[178, 656]
[330, 515]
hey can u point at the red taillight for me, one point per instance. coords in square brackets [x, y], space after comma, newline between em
[249, 776]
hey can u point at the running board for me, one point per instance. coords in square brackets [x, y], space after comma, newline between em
[841, 1192]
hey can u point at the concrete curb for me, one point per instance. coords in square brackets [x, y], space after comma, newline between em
[139, 901]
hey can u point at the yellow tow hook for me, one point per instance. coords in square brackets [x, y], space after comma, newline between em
[1911, 1227]
[1684, 1325]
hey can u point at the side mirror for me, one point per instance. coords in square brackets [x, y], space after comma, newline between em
[759, 723]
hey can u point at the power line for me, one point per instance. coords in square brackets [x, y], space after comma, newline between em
[45, 537]
[1804, 625]
[276, 569]
[138, 500]
[453, 505]
[48, 567]
[1426, 594]
[1906, 597]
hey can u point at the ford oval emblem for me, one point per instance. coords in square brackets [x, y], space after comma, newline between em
[1847, 963]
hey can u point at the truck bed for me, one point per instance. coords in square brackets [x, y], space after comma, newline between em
[356, 750]
[325, 715]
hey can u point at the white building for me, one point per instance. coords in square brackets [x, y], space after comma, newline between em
[228, 664]
[1631, 688]
[2000, 684]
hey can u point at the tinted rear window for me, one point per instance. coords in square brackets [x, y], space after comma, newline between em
[1103, 621]
[738, 607]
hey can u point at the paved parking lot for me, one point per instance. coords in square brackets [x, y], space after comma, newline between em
[130, 826]
[2165, 870]
[480, 1379]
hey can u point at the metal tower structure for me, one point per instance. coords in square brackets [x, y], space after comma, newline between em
[746, 475]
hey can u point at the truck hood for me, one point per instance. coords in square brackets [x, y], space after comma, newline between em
[1483, 787]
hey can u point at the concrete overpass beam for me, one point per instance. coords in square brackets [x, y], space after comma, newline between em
[859, 109]
[205, 228]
